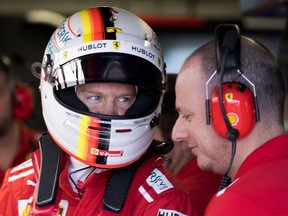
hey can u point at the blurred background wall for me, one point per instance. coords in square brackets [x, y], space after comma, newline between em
[181, 25]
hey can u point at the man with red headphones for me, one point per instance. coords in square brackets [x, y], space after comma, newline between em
[17, 140]
[222, 90]
[202, 185]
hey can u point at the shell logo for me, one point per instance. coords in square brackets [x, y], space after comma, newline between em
[233, 118]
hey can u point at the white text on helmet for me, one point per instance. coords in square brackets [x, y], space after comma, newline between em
[63, 34]
[73, 115]
[141, 121]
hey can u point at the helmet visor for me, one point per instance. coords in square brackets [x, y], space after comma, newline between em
[110, 67]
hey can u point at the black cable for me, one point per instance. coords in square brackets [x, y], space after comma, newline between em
[74, 183]
[222, 67]
[226, 180]
[232, 133]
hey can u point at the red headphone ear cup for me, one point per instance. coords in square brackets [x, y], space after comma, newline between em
[238, 101]
[23, 101]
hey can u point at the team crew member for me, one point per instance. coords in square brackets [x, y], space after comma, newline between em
[102, 85]
[17, 140]
[202, 185]
[239, 134]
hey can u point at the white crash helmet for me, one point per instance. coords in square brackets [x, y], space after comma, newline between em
[102, 44]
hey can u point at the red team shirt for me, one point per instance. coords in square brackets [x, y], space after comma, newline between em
[156, 193]
[260, 186]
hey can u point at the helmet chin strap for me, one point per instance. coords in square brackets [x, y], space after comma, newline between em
[49, 173]
[120, 179]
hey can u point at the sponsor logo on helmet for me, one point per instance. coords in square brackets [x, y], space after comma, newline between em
[116, 45]
[159, 61]
[60, 37]
[62, 34]
[73, 115]
[156, 42]
[105, 153]
[65, 55]
[97, 120]
[167, 212]
[141, 121]
[113, 30]
[92, 47]
[143, 51]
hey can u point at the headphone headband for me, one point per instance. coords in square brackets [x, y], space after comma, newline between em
[228, 39]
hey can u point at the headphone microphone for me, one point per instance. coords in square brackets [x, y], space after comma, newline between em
[233, 107]
[228, 57]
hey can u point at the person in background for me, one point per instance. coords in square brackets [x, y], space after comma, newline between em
[178, 157]
[17, 140]
[240, 134]
[201, 184]
[102, 83]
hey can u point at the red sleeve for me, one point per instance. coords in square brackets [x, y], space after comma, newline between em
[235, 204]
[8, 206]
[18, 185]
[171, 203]
[156, 191]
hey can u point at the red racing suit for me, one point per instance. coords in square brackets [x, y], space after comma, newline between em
[260, 186]
[29, 143]
[153, 191]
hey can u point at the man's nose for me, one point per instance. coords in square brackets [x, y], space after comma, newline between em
[108, 108]
[177, 131]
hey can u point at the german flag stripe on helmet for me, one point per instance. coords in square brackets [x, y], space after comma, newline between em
[95, 22]
[92, 142]
[83, 143]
